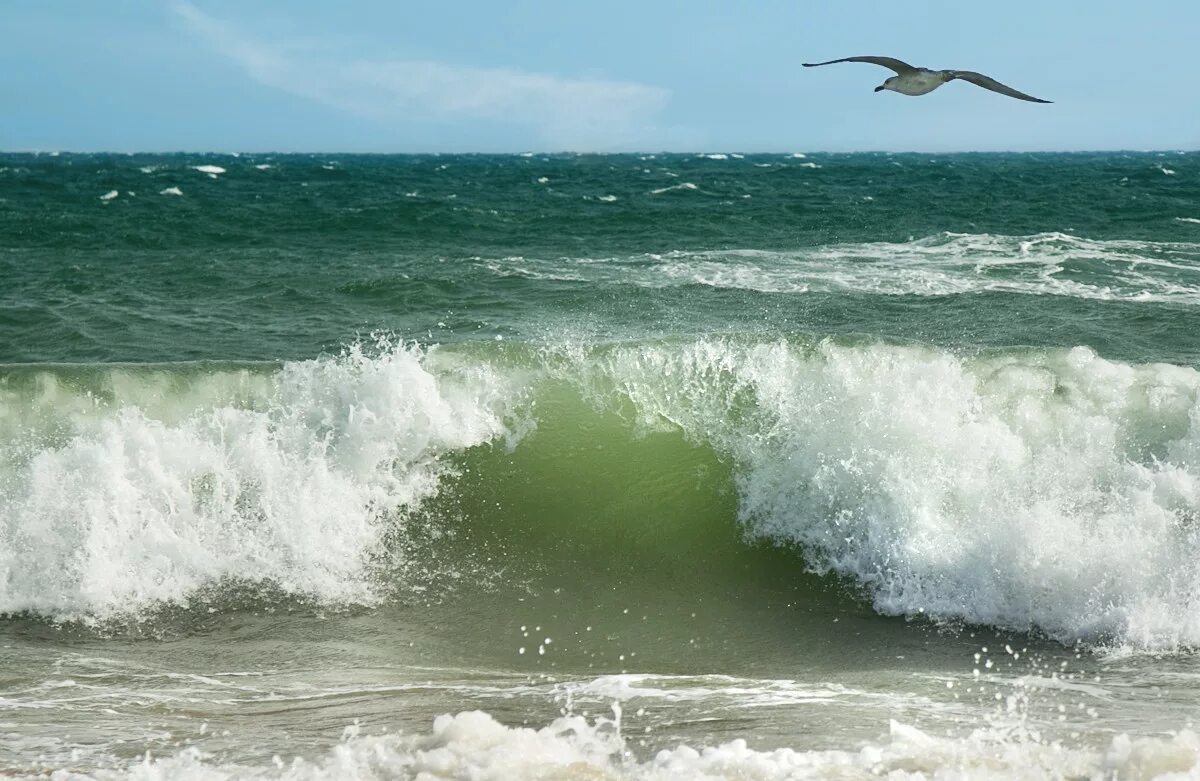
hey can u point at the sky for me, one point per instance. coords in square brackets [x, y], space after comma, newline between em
[569, 75]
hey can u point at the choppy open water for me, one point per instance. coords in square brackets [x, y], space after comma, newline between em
[632, 466]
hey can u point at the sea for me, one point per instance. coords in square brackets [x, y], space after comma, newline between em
[629, 466]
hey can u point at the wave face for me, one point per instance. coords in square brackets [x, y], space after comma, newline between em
[1051, 490]
[1030, 490]
[127, 488]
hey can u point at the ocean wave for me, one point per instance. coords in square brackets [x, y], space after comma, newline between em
[130, 488]
[672, 188]
[1031, 490]
[1056, 264]
[1054, 491]
[473, 744]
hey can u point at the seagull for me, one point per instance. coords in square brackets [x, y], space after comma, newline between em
[919, 81]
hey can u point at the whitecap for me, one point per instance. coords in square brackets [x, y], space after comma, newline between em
[287, 477]
[950, 264]
[680, 186]
[475, 745]
[1049, 491]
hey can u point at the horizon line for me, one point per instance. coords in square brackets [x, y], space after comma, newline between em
[598, 153]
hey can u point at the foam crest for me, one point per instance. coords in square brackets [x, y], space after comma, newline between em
[950, 264]
[1057, 491]
[1055, 264]
[672, 188]
[473, 745]
[151, 484]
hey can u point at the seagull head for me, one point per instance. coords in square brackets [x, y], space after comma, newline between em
[887, 84]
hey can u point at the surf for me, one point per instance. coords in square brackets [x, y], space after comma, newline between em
[1036, 490]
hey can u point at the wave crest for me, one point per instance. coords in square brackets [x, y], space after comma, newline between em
[1055, 490]
[124, 490]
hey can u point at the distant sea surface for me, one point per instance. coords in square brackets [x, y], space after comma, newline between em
[602, 466]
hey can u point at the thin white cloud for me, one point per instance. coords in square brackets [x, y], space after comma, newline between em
[565, 113]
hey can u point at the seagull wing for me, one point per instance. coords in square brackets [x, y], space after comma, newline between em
[899, 66]
[987, 82]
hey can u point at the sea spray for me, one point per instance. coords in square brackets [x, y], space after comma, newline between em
[114, 499]
[1050, 490]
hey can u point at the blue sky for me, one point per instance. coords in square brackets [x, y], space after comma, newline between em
[639, 75]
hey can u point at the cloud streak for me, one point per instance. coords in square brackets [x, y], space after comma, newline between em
[565, 113]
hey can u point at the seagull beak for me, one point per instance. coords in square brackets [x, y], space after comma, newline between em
[879, 88]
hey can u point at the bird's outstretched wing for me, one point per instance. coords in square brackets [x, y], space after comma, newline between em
[987, 82]
[899, 66]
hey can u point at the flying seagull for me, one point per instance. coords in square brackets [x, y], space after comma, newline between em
[918, 81]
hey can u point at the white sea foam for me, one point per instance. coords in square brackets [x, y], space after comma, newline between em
[680, 186]
[731, 692]
[543, 180]
[170, 191]
[108, 196]
[607, 198]
[142, 492]
[264, 166]
[1056, 491]
[809, 165]
[717, 156]
[474, 745]
[947, 264]
[1188, 219]
[209, 169]
[1046, 264]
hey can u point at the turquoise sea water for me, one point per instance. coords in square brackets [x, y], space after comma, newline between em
[648, 466]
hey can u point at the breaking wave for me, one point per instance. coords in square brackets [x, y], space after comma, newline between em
[473, 745]
[1055, 264]
[1046, 490]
